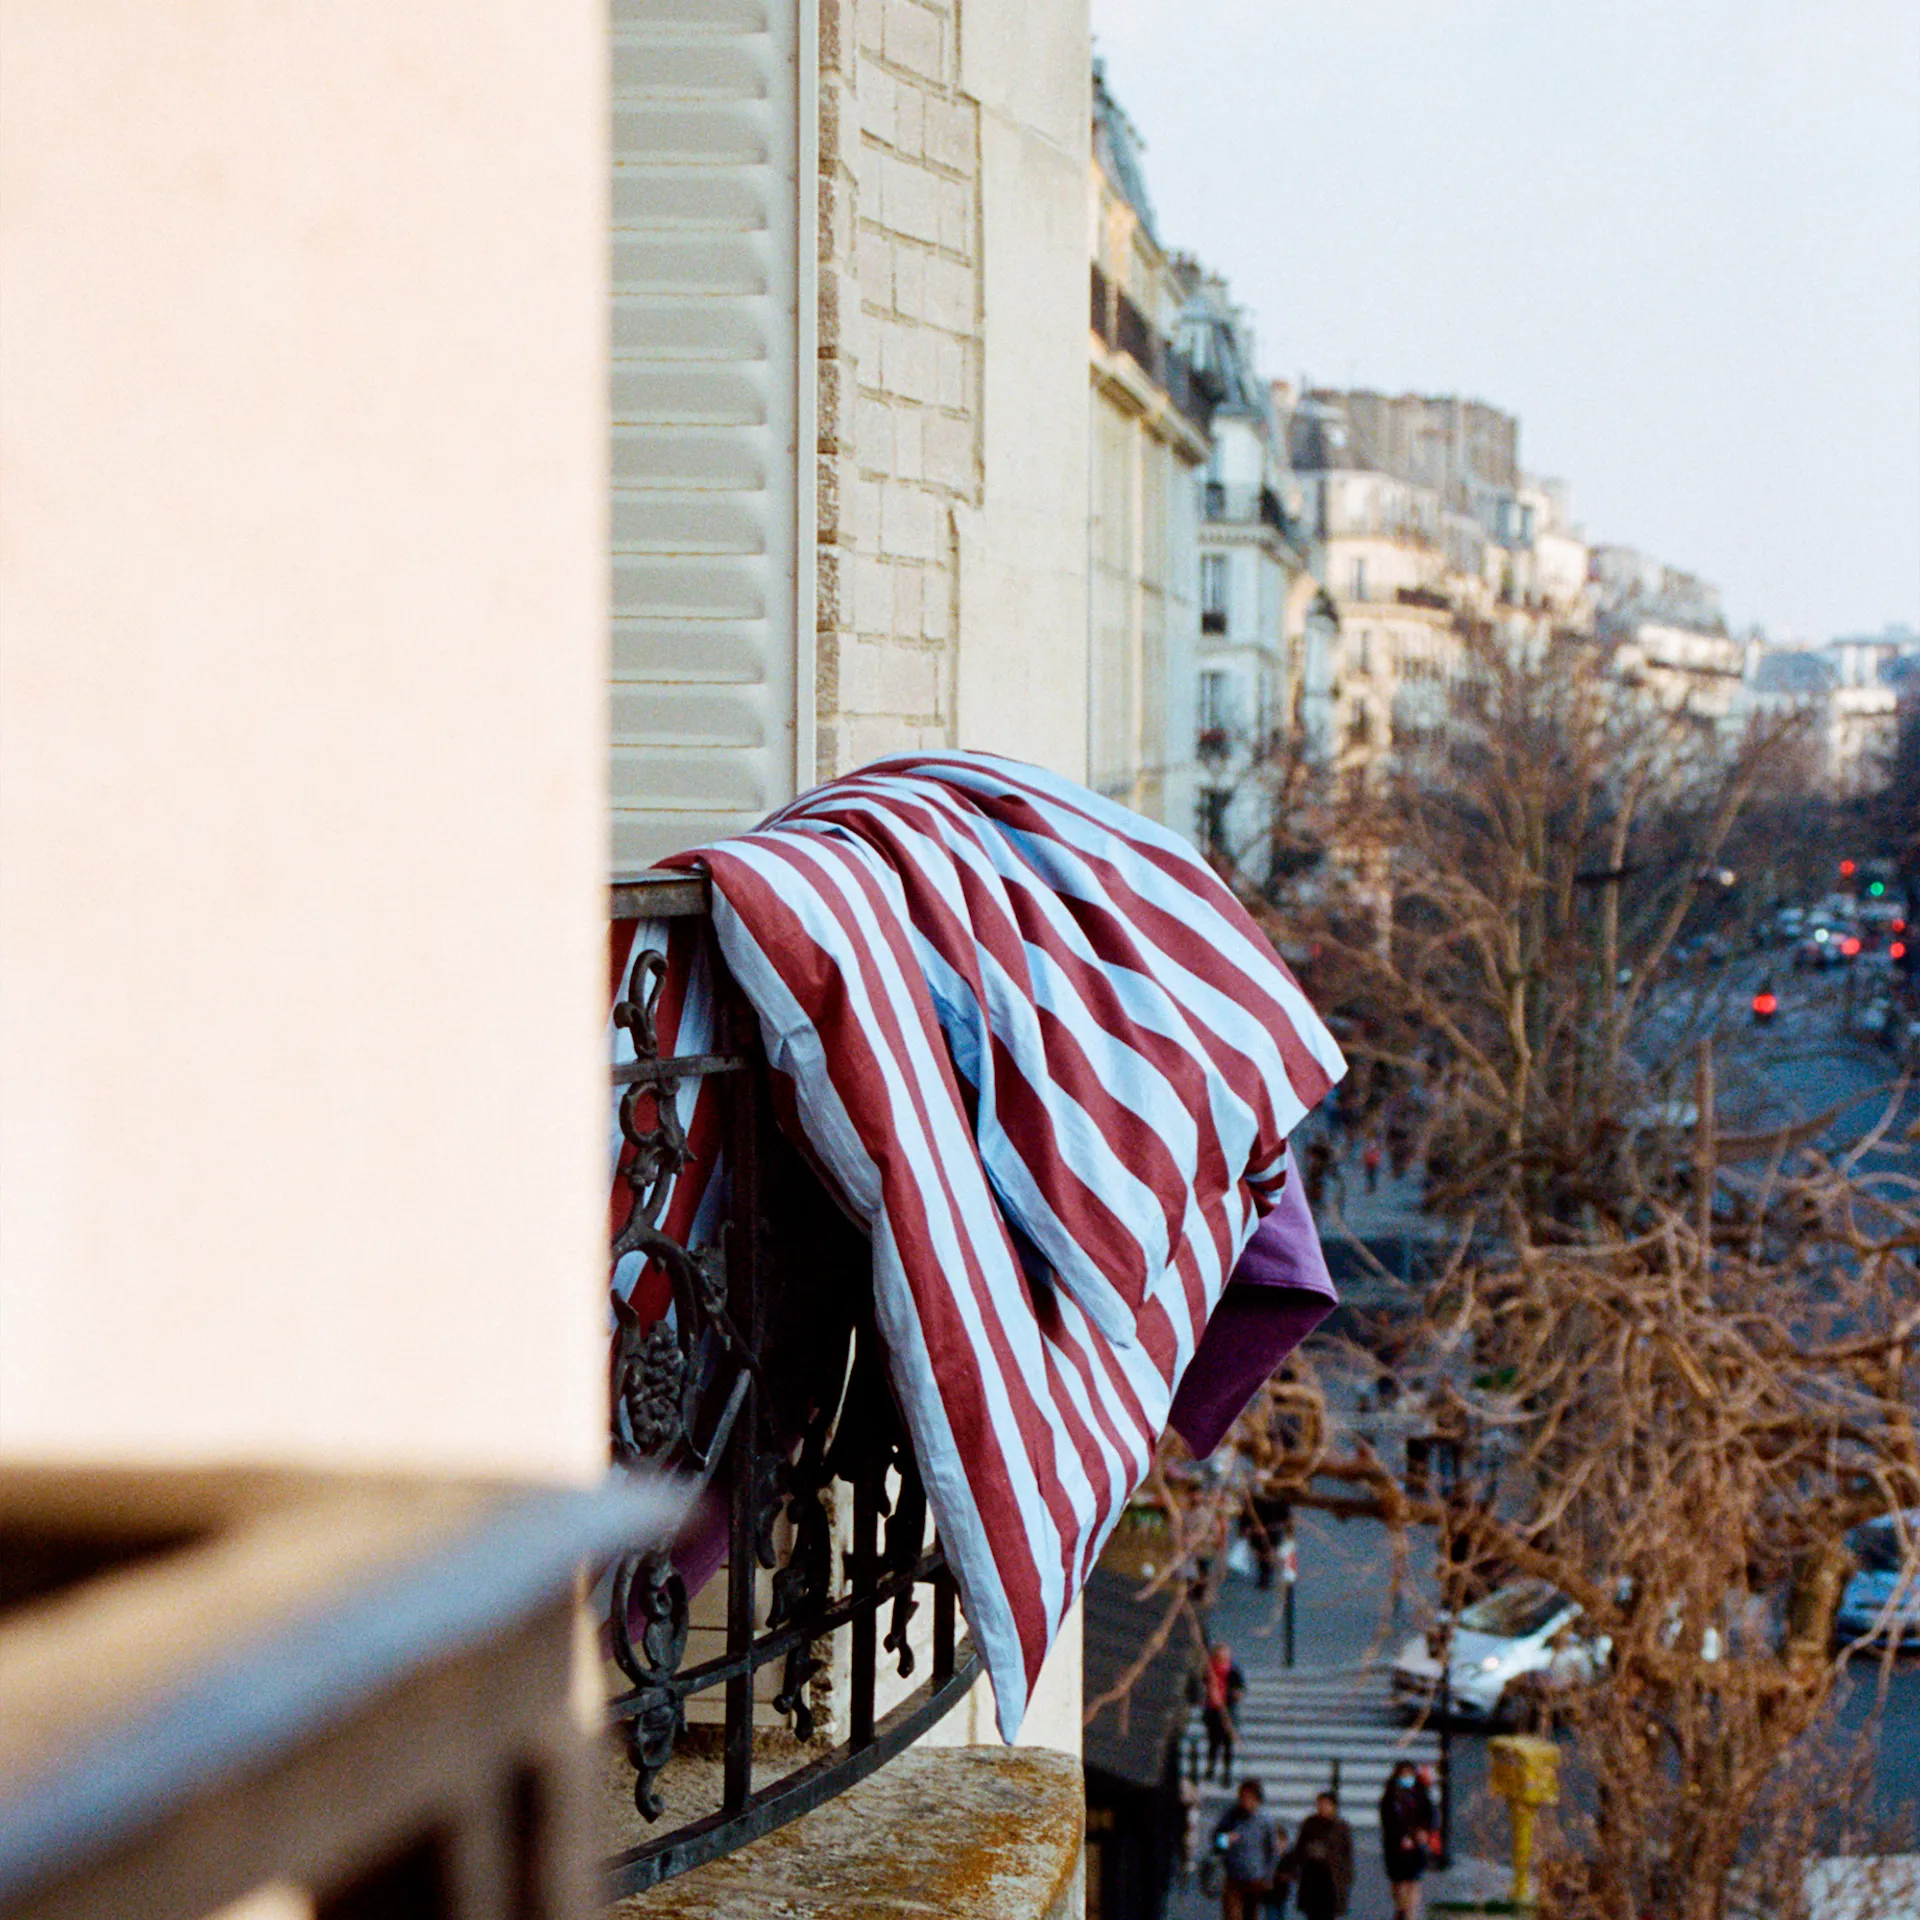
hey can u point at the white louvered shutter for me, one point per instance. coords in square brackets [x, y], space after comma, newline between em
[712, 341]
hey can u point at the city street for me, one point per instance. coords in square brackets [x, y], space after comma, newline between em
[1348, 1621]
[1345, 1619]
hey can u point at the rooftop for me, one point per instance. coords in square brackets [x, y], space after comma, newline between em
[1118, 147]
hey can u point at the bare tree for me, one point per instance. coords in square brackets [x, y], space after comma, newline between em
[1676, 1367]
[1514, 897]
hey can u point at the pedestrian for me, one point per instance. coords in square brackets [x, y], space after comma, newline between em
[1370, 1161]
[1260, 1528]
[1337, 1182]
[1189, 1831]
[1248, 1845]
[1408, 1826]
[1399, 1142]
[1319, 1163]
[1321, 1862]
[1222, 1686]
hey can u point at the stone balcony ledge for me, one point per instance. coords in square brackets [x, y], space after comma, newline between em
[962, 1833]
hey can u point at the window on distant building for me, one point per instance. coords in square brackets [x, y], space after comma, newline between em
[1213, 593]
[1212, 823]
[1216, 703]
[1359, 579]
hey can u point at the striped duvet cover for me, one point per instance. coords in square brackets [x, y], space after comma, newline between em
[1051, 1064]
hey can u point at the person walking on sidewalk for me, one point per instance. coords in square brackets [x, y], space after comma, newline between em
[1321, 1862]
[1370, 1161]
[1248, 1843]
[1318, 1161]
[1222, 1686]
[1408, 1826]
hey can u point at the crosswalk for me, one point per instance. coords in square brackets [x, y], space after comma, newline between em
[1295, 1725]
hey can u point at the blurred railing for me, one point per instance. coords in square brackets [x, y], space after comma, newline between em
[357, 1687]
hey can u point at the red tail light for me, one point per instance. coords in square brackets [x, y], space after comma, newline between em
[1898, 951]
[1850, 945]
[1765, 1003]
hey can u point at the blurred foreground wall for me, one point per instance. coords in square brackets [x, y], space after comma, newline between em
[302, 384]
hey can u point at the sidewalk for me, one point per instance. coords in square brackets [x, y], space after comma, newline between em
[1378, 1241]
[1464, 1880]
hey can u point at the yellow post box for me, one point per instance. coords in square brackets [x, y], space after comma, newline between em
[1525, 1773]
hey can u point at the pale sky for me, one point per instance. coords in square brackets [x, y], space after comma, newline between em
[1681, 241]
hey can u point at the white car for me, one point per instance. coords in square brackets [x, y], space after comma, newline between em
[1527, 1634]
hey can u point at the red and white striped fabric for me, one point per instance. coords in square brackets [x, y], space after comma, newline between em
[1052, 1064]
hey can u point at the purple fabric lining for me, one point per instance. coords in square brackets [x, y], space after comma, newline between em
[1277, 1294]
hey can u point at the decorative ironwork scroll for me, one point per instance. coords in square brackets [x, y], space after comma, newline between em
[763, 1381]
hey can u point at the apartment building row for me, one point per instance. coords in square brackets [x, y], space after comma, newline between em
[1857, 691]
[1280, 578]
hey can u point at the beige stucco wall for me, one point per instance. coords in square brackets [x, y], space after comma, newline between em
[302, 1077]
[1021, 681]
[1023, 554]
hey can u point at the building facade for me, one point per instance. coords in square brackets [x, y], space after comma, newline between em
[1433, 540]
[1851, 692]
[1259, 600]
[1400, 564]
[837, 524]
[1542, 591]
[1870, 672]
[1667, 639]
[1148, 435]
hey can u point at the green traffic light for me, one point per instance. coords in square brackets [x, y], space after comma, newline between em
[1876, 888]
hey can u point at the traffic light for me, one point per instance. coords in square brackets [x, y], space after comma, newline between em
[1847, 869]
[1876, 888]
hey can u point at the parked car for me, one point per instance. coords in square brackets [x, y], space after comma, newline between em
[1521, 1641]
[1881, 1602]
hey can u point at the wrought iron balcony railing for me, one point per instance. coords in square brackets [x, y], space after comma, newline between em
[766, 1384]
[1120, 324]
[1222, 502]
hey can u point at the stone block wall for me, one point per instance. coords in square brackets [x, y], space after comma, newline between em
[899, 378]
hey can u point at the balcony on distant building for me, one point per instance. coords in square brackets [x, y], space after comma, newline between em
[1100, 315]
[1117, 321]
[1221, 504]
